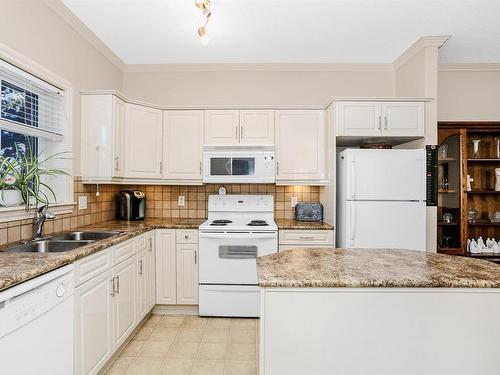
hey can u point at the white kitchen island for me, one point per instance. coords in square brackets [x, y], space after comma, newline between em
[378, 312]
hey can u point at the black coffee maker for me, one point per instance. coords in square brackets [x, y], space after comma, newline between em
[131, 205]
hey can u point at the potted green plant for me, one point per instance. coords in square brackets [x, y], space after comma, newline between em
[22, 175]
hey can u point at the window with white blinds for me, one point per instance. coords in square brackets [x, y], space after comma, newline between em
[30, 106]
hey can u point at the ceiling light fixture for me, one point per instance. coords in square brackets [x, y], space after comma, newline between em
[204, 5]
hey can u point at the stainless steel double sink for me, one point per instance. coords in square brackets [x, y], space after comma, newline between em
[61, 243]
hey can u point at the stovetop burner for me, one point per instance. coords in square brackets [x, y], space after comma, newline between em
[220, 222]
[258, 223]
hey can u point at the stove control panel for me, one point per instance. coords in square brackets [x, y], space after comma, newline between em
[240, 203]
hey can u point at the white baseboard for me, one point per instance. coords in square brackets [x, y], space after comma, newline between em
[175, 310]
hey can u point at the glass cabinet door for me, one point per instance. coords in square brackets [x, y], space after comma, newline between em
[449, 195]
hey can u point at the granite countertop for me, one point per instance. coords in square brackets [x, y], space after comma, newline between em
[310, 225]
[373, 268]
[18, 267]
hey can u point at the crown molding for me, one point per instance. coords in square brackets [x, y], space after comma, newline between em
[65, 13]
[470, 67]
[419, 45]
[271, 67]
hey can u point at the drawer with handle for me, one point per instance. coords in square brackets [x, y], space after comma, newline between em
[186, 236]
[123, 251]
[141, 242]
[93, 265]
[306, 237]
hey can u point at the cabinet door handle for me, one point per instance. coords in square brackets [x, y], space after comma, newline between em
[385, 122]
[150, 244]
[306, 238]
[379, 122]
[117, 284]
[353, 222]
[112, 286]
[140, 267]
[201, 167]
[195, 257]
[277, 168]
[241, 131]
[117, 163]
[161, 167]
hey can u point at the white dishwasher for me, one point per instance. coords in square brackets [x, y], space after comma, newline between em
[36, 325]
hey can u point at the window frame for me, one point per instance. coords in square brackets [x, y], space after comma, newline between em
[65, 142]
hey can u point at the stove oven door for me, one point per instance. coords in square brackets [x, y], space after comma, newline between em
[229, 258]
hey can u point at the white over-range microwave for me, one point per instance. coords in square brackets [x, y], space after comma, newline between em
[239, 166]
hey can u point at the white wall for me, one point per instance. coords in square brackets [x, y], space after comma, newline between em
[31, 28]
[469, 95]
[277, 85]
[416, 75]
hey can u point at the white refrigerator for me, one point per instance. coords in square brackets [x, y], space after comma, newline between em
[381, 199]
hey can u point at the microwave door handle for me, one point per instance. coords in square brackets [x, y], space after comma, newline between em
[230, 236]
[228, 166]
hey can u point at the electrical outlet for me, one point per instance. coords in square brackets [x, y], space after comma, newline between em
[293, 201]
[181, 201]
[82, 202]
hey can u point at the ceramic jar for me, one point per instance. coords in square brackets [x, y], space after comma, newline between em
[10, 197]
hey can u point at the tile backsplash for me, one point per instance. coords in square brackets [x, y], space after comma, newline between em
[161, 201]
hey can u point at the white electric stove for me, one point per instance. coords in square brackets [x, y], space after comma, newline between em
[238, 230]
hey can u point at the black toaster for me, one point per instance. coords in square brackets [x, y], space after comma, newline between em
[310, 211]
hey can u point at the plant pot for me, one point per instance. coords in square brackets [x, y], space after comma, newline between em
[10, 197]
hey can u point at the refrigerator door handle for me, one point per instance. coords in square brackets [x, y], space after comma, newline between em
[353, 222]
[353, 180]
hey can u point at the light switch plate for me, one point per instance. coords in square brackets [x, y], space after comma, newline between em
[181, 201]
[293, 201]
[82, 202]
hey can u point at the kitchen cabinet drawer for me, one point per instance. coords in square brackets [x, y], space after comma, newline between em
[140, 243]
[93, 265]
[187, 236]
[306, 237]
[123, 251]
[291, 247]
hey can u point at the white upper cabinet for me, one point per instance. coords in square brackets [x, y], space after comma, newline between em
[359, 118]
[253, 127]
[102, 137]
[257, 127]
[143, 146]
[390, 119]
[300, 146]
[401, 119]
[182, 145]
[222, 127]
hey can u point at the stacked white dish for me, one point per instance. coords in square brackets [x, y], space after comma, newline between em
[480, 247]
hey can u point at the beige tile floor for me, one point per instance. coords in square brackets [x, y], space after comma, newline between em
[190, 345]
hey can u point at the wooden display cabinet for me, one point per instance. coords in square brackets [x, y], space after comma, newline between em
[454, 197]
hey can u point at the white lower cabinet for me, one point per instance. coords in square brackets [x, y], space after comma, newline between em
[124, 276]
[110, 304]
[142, 284]
[187, 274]
[166, 293]
[151, 264]
[93, 324]
[177, 267]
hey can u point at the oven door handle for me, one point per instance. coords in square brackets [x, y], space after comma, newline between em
[231, 236]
